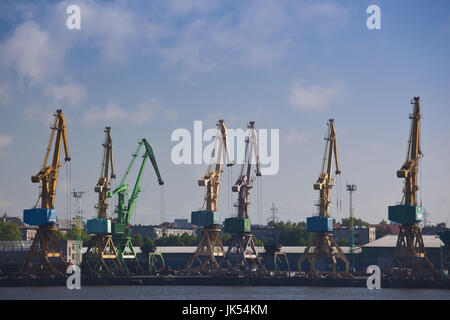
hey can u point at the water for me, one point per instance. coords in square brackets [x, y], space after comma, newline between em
[218, 293]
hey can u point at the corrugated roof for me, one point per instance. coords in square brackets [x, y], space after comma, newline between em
[390, 240]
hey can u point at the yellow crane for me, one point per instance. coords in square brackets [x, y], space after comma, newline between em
[409, 258]
[242, 256]
[45, 256]
[323, 243]
[101, 257]
[210, 245]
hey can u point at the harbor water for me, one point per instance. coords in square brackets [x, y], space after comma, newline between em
[218, 293]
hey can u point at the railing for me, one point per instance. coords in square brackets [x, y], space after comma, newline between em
[15, 245]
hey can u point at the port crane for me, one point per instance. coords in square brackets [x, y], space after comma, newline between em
[241, 255]
[323, 242]
[45, 257]
[120, 225]
[102, 257]
[410, 258]
[210, 245]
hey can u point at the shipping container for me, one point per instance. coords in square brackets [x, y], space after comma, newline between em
[99, 226]
[237, 225]
[319, 224]
[405, 214]
[119, 228]
[205, 218]
[38, 217]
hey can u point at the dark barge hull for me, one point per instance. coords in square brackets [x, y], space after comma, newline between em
[230, 281]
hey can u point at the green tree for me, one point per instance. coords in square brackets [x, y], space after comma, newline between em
[60, 235]
[226, 239]
[72, 234]
[345, 222]
[10, 232]
[381, 231]
[137, 240]
[148, 245]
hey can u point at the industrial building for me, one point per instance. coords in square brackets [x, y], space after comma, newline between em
[362, 235]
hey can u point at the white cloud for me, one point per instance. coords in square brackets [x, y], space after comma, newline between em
[31, 52]
[5, 140]
[194, 35]
[314, 97]
[250, 34]
[70, 92]
[146, 111]
[40, 114]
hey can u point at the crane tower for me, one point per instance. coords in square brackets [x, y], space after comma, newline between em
[210, 247]
[102, 257]
[323, 245]
[410, 258]
[45, 257]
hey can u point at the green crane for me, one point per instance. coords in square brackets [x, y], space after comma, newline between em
[120, 225]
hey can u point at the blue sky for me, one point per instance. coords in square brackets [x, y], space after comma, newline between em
[147, 68]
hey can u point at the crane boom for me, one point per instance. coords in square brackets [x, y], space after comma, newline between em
[212, 178]
[107, 172]
[125, 210]
[244, 182]
[48, 175]
[325, 181]
[410, 168]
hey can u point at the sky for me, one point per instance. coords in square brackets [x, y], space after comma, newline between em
[147, 68]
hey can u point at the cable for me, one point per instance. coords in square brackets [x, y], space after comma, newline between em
[162, 204]
[67, 194]
[258, 188]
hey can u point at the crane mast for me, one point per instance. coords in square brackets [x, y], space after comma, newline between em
[410, 257]
[323, 242]
[40, 260]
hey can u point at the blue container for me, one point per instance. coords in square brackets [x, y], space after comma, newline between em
[38, 217]
[205, 218]
[98, 226]
[319, 224]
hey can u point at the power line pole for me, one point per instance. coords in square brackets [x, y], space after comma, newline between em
[352, 188]
[274, 210]
[78, 195]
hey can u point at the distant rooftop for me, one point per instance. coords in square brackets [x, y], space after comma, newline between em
[390, 240]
